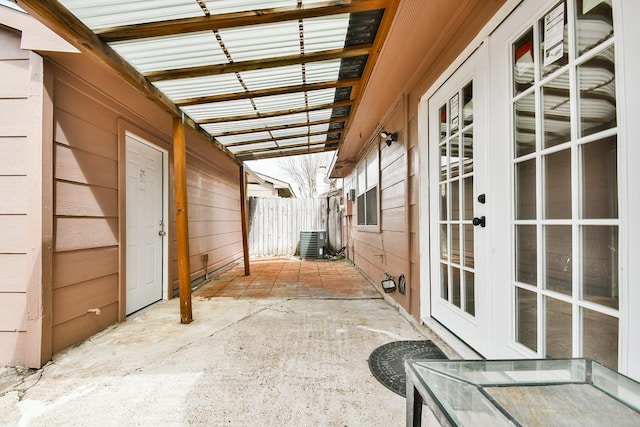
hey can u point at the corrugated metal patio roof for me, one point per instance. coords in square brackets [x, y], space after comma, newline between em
[261, 78]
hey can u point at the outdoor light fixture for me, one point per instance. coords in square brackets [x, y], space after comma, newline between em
[388, 284]
[389, 137]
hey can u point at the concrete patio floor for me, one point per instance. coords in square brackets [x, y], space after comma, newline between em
[286, 346]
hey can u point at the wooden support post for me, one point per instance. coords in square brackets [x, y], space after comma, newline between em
[245, 222]
[182, 219]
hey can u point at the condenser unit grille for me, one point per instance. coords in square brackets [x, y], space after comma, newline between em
[312, 244]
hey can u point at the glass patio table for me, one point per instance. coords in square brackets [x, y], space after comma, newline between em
[549, 392]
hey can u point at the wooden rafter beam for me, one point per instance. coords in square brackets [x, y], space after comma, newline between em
[258, 64]
[278, 153]
[289, 147]
[266, 92]
[53, 15]
[276, 113]
[276, 139]
[282, 127]
[237, 19]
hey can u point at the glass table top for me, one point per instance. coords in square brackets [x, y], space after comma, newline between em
[528, 392]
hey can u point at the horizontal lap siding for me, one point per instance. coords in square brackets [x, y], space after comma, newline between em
[74, 267]
[19, 111]
[87, 253]
[85, 259]
[213, 196]
[386, 250]
[74, 331]
[14, 273]
[395, 247]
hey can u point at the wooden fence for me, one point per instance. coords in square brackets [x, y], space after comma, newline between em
[275, 223]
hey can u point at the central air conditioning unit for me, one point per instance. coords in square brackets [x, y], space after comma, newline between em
[312, 244]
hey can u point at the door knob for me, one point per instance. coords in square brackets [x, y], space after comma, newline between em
[161, 233]
[482, 221]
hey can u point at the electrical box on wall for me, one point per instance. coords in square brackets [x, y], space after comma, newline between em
[348, 207]
[352, 195]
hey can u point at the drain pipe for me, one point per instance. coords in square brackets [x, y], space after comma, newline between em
[205, 261]
[328, 242]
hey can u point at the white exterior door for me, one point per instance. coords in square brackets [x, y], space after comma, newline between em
[145, 228]
[459, 224]
[554, 101]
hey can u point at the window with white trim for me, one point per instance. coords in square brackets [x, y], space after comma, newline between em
[367, 201]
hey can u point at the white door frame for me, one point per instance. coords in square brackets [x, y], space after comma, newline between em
[165, 209]
[424, 200]
[475, 330]
[626, 16]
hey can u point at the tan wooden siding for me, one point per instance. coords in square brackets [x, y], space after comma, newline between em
[15, 78]
[74, 132]
[13, 229]
[13, 193]
[15, 149]
[85, 168]
[74, 331]
[14, 347]
[215, 230]
[75, 199]
[393, 196]
[85, 233]
[387, 250]
[20, 201]
[85, 263]
[73, 301]
[14, 273]
[88, 107]
[80, 266]
[13, 312]
[10, 42]
[12, 119]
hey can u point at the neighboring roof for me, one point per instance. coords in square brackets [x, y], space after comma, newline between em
[283, 188]
[263, 78]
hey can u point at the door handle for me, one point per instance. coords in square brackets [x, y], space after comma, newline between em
[482, 221]
[161, 233]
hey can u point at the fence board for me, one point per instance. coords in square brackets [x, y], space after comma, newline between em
[275, 223]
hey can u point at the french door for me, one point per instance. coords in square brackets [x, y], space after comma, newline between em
[563, 146]
[458, 203]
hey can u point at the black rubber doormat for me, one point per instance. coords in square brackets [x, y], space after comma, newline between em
[387, 361]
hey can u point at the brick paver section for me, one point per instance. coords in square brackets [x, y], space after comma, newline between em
[290, 278]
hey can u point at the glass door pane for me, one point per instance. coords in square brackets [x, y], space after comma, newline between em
[456, 199]
[564, 168]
